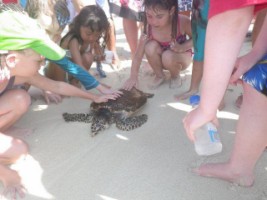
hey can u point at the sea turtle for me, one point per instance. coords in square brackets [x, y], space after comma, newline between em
[119, 111]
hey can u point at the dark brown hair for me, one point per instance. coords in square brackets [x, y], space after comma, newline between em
[166, 5]
[92, 17]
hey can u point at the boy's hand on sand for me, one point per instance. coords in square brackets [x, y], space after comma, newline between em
[130, 83]
[52, 97]
[105, 98]
[12, 186]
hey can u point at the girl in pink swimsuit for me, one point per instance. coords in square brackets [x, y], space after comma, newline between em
[166, 42]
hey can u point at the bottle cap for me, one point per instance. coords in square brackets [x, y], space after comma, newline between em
[194, 99]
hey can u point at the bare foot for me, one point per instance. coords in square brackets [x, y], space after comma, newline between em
[185, 95]
[176, 82]
[225, 172]
[12, 183]
[156, 83]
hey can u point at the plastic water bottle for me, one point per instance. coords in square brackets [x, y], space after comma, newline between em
[207, 140]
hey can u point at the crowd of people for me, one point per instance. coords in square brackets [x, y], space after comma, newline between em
[31, 35]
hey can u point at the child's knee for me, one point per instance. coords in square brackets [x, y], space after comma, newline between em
[167, 58]
[22, 100]
[88, 59]
[152, 47]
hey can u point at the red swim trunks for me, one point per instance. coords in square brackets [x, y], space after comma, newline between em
[219, 6]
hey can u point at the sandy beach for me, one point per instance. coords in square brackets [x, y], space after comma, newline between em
[152, 162]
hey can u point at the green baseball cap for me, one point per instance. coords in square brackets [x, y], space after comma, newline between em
[18, 31]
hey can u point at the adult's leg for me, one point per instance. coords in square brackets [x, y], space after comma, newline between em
[13, 104]
[250, 142]
[111, 45]
[130, 28]
[224, 40]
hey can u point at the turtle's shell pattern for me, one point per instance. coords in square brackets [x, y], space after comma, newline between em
[128, 103]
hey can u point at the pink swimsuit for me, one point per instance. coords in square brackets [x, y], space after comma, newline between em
[180, 38]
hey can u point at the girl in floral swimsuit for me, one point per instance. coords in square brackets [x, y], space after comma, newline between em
[165, 45]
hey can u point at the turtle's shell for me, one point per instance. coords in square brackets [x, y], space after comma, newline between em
[128, 103]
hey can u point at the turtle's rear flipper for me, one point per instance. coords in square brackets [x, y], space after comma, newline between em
[78, 117]
[131, 123]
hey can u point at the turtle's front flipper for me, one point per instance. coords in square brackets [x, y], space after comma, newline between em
[78, 117]
[131, 123]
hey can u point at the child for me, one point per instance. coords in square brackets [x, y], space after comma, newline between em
[199, 23]
[53, 16]
[86, 40]
[227, 26]
[164, 43]
[21, 43]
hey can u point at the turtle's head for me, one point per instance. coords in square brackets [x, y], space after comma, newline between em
[101, 121]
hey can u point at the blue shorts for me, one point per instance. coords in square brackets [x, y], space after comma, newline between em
[200, 10]
[257, 76]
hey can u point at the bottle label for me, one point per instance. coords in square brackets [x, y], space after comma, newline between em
[214, 137]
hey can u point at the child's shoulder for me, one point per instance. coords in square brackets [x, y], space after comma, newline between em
[66, 40]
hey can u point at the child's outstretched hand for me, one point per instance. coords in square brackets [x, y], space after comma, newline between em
[52, 97]
[107, 90]
[105, 98]
[130, 83]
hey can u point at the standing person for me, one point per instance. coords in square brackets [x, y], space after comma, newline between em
[23, 47]
[228, 24]
[199, 22]
[259, 19]
[164, 43]
[132, 15]
[111, 44]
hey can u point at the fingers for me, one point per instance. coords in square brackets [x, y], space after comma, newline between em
[13, 192]
[129, 85]
[188, 131]
[53, 98]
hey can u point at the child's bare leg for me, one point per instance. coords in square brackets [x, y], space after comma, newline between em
[175, 63]
[11, 150]
[250, 142]
[13, 104]
[153, 53]
[196, 77]
[54, 72]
